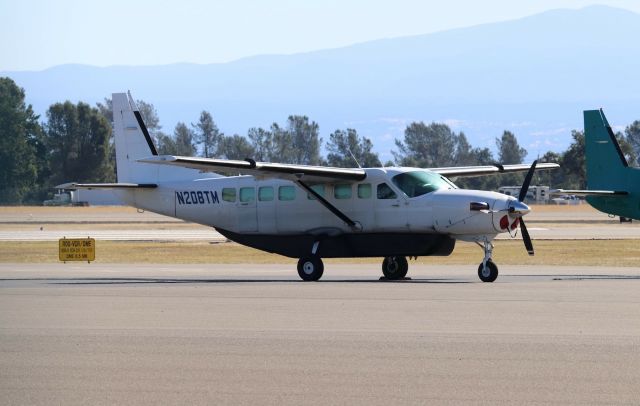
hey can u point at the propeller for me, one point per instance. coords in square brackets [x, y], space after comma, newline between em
[519, 209]
[527, 181]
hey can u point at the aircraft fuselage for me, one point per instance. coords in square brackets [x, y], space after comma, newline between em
[270, 209]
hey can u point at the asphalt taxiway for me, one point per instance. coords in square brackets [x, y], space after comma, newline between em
[254, 334]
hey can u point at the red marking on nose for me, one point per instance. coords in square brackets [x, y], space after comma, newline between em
[504, 222]
[515, 223]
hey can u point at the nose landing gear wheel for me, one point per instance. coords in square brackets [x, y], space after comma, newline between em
[310, 268]
[395, 267]
[488, 274]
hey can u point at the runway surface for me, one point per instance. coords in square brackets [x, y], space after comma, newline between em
[253, 334]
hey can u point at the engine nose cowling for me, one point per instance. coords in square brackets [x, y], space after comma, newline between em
[507, 213]
[466, 212]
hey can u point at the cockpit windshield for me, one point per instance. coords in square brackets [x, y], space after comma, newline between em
[418, 183]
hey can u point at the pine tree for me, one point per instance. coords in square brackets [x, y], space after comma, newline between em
[19, 136]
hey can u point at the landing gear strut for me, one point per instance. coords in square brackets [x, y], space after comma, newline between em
[487, 270]
[395, 267]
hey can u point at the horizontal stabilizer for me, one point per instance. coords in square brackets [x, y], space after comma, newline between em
[74, 186]
[611, 193]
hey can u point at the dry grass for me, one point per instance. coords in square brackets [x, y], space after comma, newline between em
[617, 253]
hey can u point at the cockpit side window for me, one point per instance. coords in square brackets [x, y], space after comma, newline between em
[384, 191]
[418, 183]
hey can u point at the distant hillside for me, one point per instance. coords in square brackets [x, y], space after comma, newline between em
[533, 76]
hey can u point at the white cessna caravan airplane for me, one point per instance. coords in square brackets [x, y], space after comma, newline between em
[311, 212]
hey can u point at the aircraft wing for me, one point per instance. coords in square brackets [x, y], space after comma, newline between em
[467, 171]
[262, 169]
[74, 186]
[318, 173]
[609, 193]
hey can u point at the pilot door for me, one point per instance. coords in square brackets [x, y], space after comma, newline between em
[390, 209]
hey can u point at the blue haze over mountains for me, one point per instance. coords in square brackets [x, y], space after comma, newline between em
[532, 76]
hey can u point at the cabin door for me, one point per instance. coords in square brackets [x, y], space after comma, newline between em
[246, 206]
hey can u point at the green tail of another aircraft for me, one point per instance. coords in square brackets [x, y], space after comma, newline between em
[613, 186]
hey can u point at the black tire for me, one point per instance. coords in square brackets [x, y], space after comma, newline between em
[310, 268]
[491, 274]
[395, 267]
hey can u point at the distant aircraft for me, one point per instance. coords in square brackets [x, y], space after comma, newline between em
[613, 186]
[313, 212]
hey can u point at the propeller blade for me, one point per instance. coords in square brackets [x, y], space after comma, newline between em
[525, 237]
[527, 181]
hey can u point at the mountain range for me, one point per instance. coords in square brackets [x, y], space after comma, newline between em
[532, 76]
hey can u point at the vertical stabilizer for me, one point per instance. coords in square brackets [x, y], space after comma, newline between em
[132, 141]
[606, 164]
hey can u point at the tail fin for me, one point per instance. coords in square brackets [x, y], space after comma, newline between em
[132, 141]
[605, 161]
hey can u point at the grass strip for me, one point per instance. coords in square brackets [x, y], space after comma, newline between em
[616, 253]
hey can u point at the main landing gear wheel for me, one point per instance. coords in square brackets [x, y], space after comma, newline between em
[395, 267]
[488, 273]
[310, 268]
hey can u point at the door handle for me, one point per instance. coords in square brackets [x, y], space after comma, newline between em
[396, 205]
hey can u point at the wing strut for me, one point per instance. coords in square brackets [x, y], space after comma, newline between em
[333, 209]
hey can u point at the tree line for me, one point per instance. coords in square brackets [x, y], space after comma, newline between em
[75, 143]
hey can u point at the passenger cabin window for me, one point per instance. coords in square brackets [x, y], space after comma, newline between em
[265, 194]
[385, 192]
[342, 191]
[229, 194]
[418, 183]
[286, 193]
[364, 191]
[247, 194]
[319, 189]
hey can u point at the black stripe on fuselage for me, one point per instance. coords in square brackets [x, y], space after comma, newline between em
[350, 245]
[333, 209]
[146, 133]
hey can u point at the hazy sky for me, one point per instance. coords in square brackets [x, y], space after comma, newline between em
[37, 34]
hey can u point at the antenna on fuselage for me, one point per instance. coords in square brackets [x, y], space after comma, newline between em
[354, 158]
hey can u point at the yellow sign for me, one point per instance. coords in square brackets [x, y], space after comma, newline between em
[77, 249]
